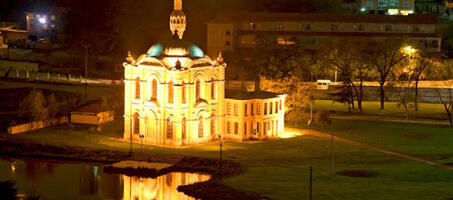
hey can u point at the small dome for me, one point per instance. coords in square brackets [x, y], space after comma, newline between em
[175, 48]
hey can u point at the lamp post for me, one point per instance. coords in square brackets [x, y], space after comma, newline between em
[220, 165]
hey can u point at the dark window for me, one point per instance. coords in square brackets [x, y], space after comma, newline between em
[236, 128]
[245, 110]
[251, 109]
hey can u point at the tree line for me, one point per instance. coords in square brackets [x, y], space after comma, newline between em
[386, 61]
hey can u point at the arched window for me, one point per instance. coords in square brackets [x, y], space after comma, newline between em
[200, 127]
[213, 90]
[136, 124]
[184, 128]
[137, 88]
[169, 128]
[197, 90]
[170, 92]
[213, 125]
[154, 90]
[184, 97]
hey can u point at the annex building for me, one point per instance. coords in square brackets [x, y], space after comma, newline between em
[175, 95]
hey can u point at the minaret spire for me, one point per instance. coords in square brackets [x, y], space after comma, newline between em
[178, 19]
[178, 5]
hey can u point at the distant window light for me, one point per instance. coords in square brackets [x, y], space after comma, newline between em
[52, 17]
[360, 27]
[236, 109]
[38, 16]
[406, 3]
[252, 26]
[279, 26]
[334, 27]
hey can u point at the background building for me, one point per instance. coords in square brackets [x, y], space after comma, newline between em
[237, 31]
[389, 7]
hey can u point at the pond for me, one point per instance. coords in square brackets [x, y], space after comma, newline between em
[71, 180]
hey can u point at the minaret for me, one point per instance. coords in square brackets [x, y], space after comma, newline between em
[178, 19]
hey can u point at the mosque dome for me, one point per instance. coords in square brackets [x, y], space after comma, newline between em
[175, 48]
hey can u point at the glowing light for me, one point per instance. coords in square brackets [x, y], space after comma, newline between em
[410, 50]
[290, 134]
[42, 20]
[363, 9]
[392, 11]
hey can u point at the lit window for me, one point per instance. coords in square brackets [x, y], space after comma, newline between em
[184, 98]
[213, 87]
[276, 107]
[228, 109]
[197, 90]
[184, 128]
[258, 109]
[200, 127]
[154, 90]
[236, 109]
[137, 88]
[52, 17]
[280, 104]
[228, 127]
[169, 128]
[136, 124]
[213, 125]
[170, 92]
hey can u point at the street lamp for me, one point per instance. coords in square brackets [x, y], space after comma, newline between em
[220, 165]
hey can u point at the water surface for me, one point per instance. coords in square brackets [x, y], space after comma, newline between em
[58, 180]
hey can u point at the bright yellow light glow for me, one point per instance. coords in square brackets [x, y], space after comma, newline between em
[392, 11]
[290, 134]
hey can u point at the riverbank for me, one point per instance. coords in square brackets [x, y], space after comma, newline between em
[205, 190]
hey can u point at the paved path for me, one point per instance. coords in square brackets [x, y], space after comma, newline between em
[368, 146]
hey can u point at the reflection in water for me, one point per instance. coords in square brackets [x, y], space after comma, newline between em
[160, 188]
[57, 180]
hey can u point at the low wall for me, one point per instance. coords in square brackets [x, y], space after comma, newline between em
[22, 128]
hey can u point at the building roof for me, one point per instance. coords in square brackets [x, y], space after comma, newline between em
[235, 17]
[244, 95]
[175, 48]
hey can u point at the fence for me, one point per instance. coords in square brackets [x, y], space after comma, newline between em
[22, 128]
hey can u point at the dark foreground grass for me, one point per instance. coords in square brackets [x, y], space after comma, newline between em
[279, 169]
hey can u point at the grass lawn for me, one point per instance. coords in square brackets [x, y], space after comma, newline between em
[426, 110]
[432, 142]
[279, 169]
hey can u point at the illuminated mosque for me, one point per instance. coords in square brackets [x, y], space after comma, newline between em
[175, 95]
